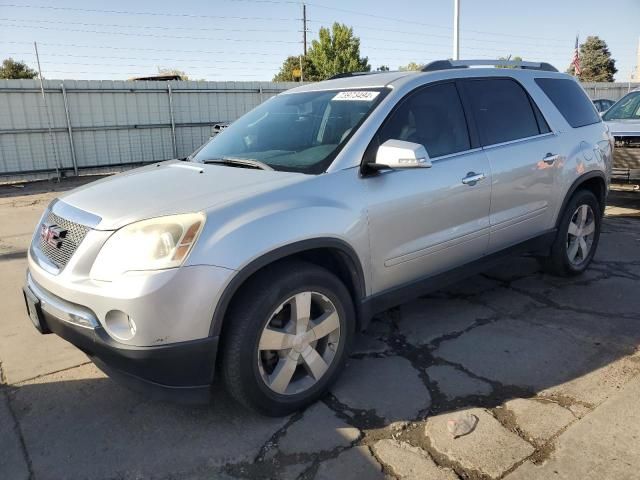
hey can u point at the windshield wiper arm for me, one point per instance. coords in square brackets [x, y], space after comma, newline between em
[241, 162]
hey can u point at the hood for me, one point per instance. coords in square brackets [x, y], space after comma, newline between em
[171, 188]
[624, 126]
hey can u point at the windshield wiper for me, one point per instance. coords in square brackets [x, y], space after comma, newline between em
[240, 162]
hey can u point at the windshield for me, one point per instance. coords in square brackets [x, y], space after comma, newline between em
[627, 108]
[298, 132]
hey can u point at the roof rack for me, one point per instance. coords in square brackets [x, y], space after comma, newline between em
[352, 74]
[449, 64]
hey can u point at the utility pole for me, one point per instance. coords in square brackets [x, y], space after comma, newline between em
[456, 29]
[304, 40]
[46, 107]
[304, 28]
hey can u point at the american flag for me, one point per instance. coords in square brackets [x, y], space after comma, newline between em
[576, 59]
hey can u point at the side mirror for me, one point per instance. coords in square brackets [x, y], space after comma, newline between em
[397, 154]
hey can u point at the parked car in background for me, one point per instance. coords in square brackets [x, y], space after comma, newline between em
[262, 256]
[603, 104]
[623, 120]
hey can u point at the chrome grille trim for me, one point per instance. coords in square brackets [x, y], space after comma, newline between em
[75, 234]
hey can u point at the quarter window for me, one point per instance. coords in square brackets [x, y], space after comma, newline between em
[503, 110]
[433, 117]
[570, 100]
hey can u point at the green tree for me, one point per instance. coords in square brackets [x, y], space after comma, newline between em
[411, 67]
[290, 70]
[510, 59]
[337, 50]
[382, 68]
[596, 64]
[12, 69]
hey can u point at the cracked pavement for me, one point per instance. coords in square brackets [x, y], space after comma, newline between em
[549, 366]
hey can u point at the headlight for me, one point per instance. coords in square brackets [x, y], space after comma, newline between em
[154, 244]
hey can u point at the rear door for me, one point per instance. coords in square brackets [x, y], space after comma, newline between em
[523, 154]
[423, 221]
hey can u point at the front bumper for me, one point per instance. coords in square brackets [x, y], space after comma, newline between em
[180, 371]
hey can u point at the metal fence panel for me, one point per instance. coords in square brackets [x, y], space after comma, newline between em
[114, 123]
[123, 123]
[611, 91]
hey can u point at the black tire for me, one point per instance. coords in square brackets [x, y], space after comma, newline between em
[248, 315]
[558, 262]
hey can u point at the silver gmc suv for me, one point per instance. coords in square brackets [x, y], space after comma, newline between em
[262, 255]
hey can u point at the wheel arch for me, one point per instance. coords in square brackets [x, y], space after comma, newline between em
[333, 254]
[593, 181]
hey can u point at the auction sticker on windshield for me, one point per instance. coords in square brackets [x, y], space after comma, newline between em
[356, 95]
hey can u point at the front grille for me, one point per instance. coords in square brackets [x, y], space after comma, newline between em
[627, 152]
[74, 236]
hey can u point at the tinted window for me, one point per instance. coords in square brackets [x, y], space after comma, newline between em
[627, 108]
[570, 100]
[543, 126]
[502, 110]
[432, 117]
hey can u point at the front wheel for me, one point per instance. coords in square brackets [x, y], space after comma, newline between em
[577, 237]
[285, 337]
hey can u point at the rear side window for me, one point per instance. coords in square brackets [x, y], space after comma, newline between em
[433, 117]
[503, 110]
[570, 100]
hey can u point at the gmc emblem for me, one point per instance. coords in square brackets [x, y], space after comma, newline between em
[52, 235]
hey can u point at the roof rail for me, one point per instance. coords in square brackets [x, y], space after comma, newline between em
[449, 64]
[351, 74]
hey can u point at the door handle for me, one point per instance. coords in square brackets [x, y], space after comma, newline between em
[550, 158]
[472, 178]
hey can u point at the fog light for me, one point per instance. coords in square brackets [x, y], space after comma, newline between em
[120, 325]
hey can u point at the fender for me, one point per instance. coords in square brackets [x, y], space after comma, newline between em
[355, 271]
[576, 184]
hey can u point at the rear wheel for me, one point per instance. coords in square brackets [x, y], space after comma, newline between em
[577, 237]
[285, 337]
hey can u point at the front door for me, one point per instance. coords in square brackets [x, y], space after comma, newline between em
[424, 221]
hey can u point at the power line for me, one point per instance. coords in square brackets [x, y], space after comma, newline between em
[110, 47]
[413, 50]
[136, 73]
[158, 27]
[40, 27]
[414, 22]
[200, 16]
[135, 65]
[147, 58]
[157, 14]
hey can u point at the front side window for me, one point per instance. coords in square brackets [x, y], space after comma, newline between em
[502, 110]
[298, 132]
[570, 100]
[432, 117]
[627, 108]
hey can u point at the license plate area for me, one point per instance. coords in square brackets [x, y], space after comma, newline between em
[35, 311]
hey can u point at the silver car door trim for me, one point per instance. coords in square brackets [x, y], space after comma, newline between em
[518, 140]
[522, 218]
[438, 247]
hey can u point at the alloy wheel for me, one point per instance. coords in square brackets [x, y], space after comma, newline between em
[298, 343]
[580, 234]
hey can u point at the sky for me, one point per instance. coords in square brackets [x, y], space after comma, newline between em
[249, 39]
